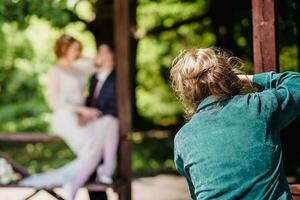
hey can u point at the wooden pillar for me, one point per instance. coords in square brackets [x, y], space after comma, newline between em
[266, 59]
[265, 52]
[297, 24]
[121, 36]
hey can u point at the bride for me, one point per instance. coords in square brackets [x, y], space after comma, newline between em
[66, 87]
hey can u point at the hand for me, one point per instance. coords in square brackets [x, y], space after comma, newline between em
[82, 121]
[89, 113]
[245, 78]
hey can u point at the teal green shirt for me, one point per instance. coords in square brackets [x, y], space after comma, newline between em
[232, 150]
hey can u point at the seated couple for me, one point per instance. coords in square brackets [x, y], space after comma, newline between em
[89, 126]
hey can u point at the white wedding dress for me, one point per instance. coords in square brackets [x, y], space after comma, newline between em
[66, 89]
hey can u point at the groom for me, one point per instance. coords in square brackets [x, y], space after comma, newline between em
[102, 95]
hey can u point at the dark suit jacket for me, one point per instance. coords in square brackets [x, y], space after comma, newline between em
[106, 101]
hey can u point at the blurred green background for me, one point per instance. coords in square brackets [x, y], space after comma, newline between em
[160, 30]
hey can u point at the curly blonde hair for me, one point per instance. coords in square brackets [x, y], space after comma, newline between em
[199, 73]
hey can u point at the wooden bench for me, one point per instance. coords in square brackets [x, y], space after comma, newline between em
[120, 185]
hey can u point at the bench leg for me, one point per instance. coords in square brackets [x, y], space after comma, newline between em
[125, 192]
[34, 193]
[54, 194]
[51, 192]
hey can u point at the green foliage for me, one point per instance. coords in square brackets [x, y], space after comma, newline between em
[148, 156]
[20, 94]
[19, 11]
[152, 14]
[155, 99]
[288, 58]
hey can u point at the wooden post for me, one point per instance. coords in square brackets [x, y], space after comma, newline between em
[264, 36]
[121, 31]
[266, 59]
[297, 24]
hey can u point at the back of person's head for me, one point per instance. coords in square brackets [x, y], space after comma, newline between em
[200, 73]
[63, 43]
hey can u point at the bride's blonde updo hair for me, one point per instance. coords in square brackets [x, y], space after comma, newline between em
[200, 73]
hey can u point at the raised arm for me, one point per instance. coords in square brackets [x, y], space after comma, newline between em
[245, 77]
[86, 66]
[286, 89]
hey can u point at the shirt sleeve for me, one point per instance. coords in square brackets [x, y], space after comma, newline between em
[53, 96]
[180, 168]
[286, 89]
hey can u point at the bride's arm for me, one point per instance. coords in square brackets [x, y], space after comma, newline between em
[53, 96]
[85, 65]
[55, 102]
[53, 88]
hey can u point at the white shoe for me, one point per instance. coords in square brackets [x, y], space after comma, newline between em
[69, 193]
[104, 179]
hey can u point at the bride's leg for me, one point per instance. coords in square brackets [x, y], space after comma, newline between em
[58, 177]
[78, 139]
[65, 124]
[110, 150]
[91, 153]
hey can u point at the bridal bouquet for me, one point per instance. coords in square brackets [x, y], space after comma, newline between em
[7, 174]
